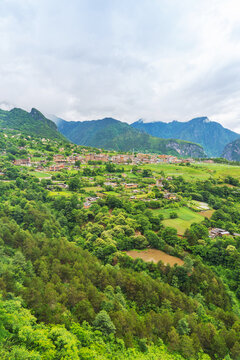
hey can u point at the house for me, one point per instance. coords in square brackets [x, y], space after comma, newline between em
[159, 183]
[170, 196]
[86, 205]
[24, 162]
[236, 234]
[39, 168]
[58, 158]
[214, 232]
[61, 185]
[56, 167]
[108, 183]
[130, 186]
[88, 201]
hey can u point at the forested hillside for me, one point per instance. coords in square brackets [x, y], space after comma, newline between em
[33, 123]
[112, 134]
[68, 288]
[211, 135]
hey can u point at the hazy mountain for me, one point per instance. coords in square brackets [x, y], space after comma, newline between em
[210, 134]
[112, 134]
[232, 151]
[32, 123]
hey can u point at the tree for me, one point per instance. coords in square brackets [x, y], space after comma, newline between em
[74, 184]
[188, 264]
[174, 339]
[173, 215]
[183, 327]
[139, 241]
[78, 163]
[152, 238]
[110, 167]
[103, 323]
[147, 173]
[169, 234]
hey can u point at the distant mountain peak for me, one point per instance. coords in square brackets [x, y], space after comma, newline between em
[109, 119]
[143, 121]
[210, 134]
[202, 119]
[112, 134]
[31, 123]
[36, 113]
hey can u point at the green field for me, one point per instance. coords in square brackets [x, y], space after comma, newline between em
[186, 217]
[60, 193]
[41, 174]
[198, 171]
[93, 188]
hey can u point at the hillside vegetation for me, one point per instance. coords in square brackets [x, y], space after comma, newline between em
[68, 288]
[210, 134]
[112, 134]
[33, 123]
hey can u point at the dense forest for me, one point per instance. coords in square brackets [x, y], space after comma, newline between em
[70, 291]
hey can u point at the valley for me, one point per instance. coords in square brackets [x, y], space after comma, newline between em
[117, 248]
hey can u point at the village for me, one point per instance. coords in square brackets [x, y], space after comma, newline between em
[104, 173]
[62, 162]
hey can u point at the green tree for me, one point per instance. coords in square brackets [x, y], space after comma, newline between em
[74, 184]
[183, 327]
[103, 323]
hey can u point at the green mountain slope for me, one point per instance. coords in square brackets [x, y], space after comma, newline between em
[232, 151]
[210, 134]
[33, 123]
[112, 134]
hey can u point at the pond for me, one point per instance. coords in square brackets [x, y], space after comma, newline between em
[155, 256]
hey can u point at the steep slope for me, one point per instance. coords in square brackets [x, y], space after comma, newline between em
[112, 134]
[210, 134]
[232, 151]
[33, 123]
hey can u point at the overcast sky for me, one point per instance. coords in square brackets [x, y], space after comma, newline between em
[128, 59]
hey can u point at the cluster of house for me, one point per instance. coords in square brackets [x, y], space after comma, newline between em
[60, 161]
[121, 158]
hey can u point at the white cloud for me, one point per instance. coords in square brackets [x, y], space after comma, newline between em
[86, 59]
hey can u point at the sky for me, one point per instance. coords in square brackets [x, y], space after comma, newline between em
[159, 60]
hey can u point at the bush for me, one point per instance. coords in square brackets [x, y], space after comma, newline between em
[173, 215]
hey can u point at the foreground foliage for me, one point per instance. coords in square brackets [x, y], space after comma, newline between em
[69, 291]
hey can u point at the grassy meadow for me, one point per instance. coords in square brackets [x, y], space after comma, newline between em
[198, 171]
[185, 218]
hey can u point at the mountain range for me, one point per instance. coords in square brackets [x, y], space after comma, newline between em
[195, 138]
[211, 135]
[112, 134]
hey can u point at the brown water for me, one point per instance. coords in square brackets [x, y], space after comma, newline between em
[155, 256]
